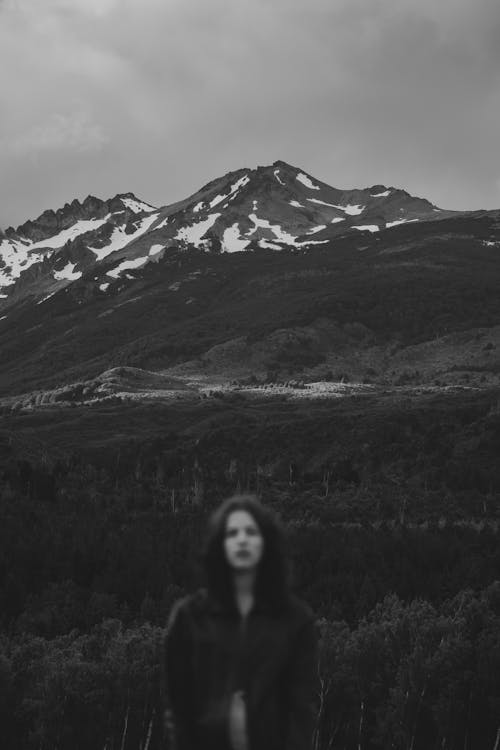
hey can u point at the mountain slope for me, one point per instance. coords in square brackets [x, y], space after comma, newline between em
[169, 288]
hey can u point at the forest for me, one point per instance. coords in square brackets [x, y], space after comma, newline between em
[392, 522]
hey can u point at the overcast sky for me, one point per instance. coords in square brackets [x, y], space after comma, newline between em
[158, 97]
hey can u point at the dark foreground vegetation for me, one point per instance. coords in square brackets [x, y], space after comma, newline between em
[392, 512]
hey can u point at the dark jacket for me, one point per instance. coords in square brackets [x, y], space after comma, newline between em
[210, 652]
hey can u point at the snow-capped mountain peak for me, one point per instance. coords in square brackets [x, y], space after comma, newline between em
[63, 239]
[272, 207]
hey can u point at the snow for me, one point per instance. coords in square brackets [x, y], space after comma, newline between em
[3, 317]
[232, 191]
[278, 232]
[216, 200]
[4, 296]
[255, 204]
[163, 223]
[369, 227]
[381, 195]
[125, 265]
[232, 242]
[46, 298]
[398, 221]
[323, 203]
[198, 207]
[79, 227]
[195, 232]
[312, 242]
[137, 206]
[337, 219]
[103, 287]
[352, 210]
[119, 238]
[304, 179]
[17, 257]
[296, 204]
[155, 249]
[281, 235]
[240, 183]
[277, 175]
[269, 245]
[68, 273]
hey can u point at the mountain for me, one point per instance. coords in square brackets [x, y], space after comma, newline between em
[265, 273]
[45, 253]
[268, 207]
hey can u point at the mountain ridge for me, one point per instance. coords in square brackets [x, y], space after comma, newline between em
[269, 207]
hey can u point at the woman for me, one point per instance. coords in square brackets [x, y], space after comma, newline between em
[241, 655]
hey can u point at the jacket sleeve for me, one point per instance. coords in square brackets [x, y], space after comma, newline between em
[178, 681]
[302, 686]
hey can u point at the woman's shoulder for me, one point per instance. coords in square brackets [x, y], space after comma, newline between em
[190, 605]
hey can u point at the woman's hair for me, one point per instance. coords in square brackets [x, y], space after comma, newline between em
[272, 585]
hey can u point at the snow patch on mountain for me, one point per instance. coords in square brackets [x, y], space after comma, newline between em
[269, 245]
[68, 273]
[337, 219]
[17, 258]
[126, 265]
[317, 229]
[304, 179]
[198, 207]
[368, 227]
[155, 249]
[44, 299]
[80, 227]
[232, 242]
[311, 242]
[195, 232]
[120, 238]
[380, 195]
[352, 210]
[399, 221]
[322, 203]
[296, 204]
[233, 190]
[278, 232]
[162, 223]
[277, 175]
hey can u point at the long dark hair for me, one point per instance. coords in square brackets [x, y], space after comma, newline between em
[272, 585]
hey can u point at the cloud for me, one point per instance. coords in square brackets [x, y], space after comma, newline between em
[74, 131]
[159, 96]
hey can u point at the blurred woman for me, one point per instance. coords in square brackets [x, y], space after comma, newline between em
[241, 654]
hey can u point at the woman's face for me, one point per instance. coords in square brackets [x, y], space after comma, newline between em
[243, 541]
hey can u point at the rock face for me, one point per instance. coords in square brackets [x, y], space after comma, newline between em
[58, 246]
